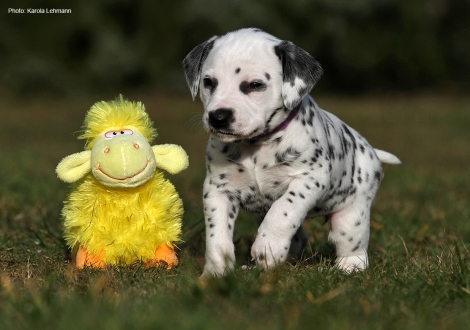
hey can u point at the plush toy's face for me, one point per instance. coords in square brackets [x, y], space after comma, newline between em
[122, 158]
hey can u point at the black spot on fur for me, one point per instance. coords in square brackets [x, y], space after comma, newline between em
[273, 113]
[287, 156]
[268, 77]
[269, 197]
[356, 247]
[278, 139]
[377, 176]
[237, 70]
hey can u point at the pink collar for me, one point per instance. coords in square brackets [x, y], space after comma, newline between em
[280, 127]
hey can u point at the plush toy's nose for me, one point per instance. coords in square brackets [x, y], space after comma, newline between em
[124, 158]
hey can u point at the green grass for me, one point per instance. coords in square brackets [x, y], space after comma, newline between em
[420, 238]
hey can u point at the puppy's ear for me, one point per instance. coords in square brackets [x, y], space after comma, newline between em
[192, 64]
[300, 72]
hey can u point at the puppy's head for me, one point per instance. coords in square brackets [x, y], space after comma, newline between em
[249, 81]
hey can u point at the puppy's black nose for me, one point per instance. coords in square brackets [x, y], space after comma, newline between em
[221, 118]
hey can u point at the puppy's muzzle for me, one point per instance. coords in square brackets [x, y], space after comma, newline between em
[221, 118]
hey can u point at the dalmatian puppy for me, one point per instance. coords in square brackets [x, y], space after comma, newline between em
[274, 152]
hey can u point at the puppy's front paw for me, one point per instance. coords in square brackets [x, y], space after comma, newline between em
[219, 261]
[269, 253]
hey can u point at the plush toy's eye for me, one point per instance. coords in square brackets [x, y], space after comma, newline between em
[112, 134]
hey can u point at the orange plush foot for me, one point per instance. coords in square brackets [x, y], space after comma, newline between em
[83, 258]
[164, 256]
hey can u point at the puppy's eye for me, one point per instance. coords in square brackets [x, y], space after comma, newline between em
[207, 83]
[210, 83]
[253, 86]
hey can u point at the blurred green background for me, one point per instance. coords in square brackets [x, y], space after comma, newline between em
[105, 45]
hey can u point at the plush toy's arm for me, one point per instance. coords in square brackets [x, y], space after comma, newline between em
[170, 157]
[74, 167]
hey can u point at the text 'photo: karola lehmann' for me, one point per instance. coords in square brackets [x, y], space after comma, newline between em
[39, 11]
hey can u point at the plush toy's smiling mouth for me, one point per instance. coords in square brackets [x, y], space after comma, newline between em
[98, 168]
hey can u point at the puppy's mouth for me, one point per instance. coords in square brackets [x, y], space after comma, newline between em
[225, 136]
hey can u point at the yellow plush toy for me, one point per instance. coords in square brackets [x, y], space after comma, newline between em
[122, 209]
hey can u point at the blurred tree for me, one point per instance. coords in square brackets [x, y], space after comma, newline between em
[363, 45]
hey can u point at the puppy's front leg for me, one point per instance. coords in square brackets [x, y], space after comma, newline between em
[220, 212]
[282, 221]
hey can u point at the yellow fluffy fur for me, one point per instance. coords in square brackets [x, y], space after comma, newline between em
[116, 115]
[129, 223]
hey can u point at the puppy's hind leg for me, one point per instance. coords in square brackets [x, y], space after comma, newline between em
[350, 232]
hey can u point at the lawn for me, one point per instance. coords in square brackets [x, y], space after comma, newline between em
[420, 232]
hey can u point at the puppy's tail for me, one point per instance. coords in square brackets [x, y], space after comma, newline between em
[386, 157]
